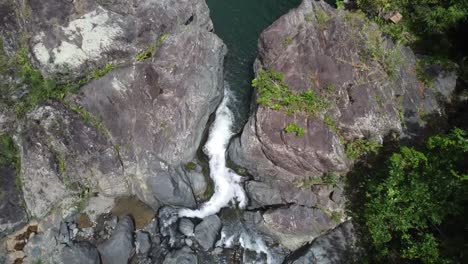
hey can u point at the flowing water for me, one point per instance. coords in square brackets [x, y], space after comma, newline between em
[239, 23]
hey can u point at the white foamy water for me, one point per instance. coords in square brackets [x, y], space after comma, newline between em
[227, 183]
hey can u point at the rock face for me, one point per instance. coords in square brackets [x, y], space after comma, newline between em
[326, 51]
[338, 246]
[69, 37]
[296, 225]
[62, 155]
[12, 213]
[163, 107]
[131, 131]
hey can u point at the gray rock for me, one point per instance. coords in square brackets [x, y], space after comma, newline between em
[295, 226]
[119, 248]
[277, 193]
[64, 234]
[181, 256]
[338, 246]
[12, 213]
[366, 102]
[60, 152]
[71, 37]
[80, 253]
[188, 242]
[207, 231]
[186, 227]
[142, 242]
[164, 104]
[198, 183]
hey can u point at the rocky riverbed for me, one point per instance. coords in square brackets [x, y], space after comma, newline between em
[141, 164]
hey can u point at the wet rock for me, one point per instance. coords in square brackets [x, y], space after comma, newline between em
[207, 231]
[12, 213]
[61, 152]
[80, 253]
[338, 246]
[142, 242]
[119, 248]
[198, 183]
[181, 256]
[295, 226]
[168, 226]
[186, 227]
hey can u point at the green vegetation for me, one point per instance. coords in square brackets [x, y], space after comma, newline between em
[322, 18]
[336, 217]
[275, 94]
[360, 147]
[84, 197]
[151, 50]
[388, 57]
[294, 128]
[309, 17]
[412, 200]
[39, 88]
[89, 119]
[287, 41]
[430, 27]
[9, 157]
[330, 178]
[190, 166]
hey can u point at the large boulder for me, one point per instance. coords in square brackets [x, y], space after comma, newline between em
[207, 231]
[163, 106]
[295, 226]
[364, 87]
[120, 247]
[62, 155]
[71, 37]
[337, 246]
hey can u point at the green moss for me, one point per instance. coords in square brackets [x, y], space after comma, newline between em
[287, 41]
[330, 123]
[151, 50]
[83, 201]
[360, 147]
[294, 128]
[190, 166]
[275, 94]
[309, 17]
[322, 18]
[336, 217]
[330, 178]
[89, 119]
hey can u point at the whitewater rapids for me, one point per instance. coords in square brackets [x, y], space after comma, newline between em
[227, 183]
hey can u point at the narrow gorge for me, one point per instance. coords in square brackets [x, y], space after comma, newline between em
[185, 131]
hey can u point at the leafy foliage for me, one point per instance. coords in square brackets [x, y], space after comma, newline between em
[8, 152]
[294, 128]
[415, 192]
[427, 16]
[275, 94]
[360, 147]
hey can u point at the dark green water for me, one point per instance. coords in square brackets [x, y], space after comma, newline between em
[239, 23]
